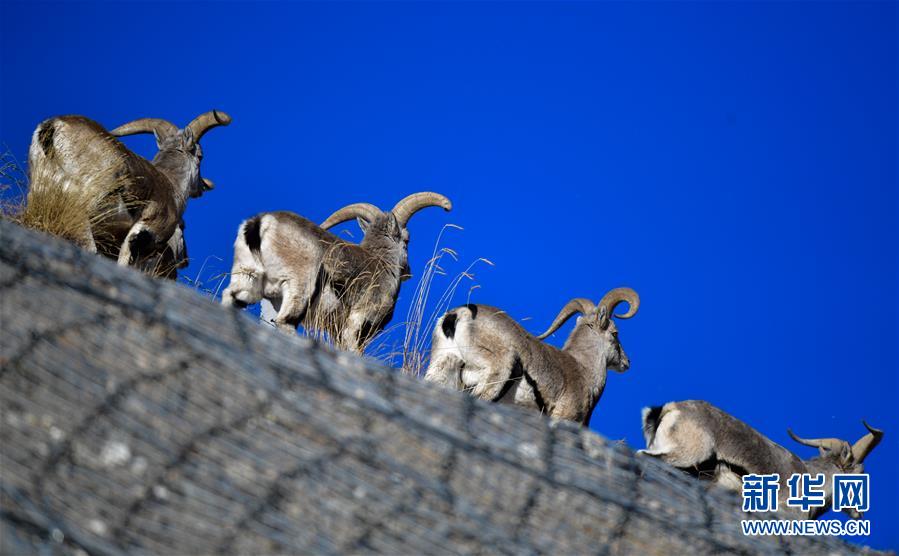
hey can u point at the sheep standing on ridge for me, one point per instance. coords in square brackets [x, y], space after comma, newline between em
[316, 279]
[701, 439]
[142, 202]
[481, 349]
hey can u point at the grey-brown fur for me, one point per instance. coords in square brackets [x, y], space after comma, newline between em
[704, 440]
[149, 197]
[481, 349]
[314, 278]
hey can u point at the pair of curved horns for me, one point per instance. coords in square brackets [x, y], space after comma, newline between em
[163, 128]
[609, 301]
[860, 449]
[403, 210]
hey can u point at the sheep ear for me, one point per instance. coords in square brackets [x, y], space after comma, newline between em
[602, 317]
[363, 223]
[846, 454]
[187, 139]
[158, 138]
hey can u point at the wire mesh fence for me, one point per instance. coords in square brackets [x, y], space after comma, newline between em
[139, 417]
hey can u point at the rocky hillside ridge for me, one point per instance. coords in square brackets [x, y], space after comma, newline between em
[140, 417]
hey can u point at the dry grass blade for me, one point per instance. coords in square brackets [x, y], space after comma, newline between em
[210, 286]
[414, 353]
[13, 184]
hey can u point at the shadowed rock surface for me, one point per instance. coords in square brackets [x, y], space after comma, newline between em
[140, 417]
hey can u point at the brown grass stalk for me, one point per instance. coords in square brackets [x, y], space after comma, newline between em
[56, 206]
[414, 353]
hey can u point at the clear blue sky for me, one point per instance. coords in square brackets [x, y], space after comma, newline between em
[735, 163]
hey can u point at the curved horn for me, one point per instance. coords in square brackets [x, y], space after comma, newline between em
[204, 122]
[417, 201]
[160, 127]
[576, 305]
[827, 443]
[863, 447]
[619, 295]
[365, 210]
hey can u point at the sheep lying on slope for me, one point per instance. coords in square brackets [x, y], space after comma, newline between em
[704, 440]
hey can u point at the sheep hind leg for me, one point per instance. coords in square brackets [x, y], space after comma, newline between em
[681, 442]
[445, 369]
[242, 291]
[488, 380]
[646, 452]
[727, 478]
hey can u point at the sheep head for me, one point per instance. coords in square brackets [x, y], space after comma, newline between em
[838, 456]
[595, 325]
[385, 231]
[179, 149]
[848, 458]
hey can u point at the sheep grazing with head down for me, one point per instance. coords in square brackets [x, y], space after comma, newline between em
[481, 349]
[142, 202]
[316, 279]
[705, 441]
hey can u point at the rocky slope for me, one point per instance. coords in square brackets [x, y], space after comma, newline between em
[140, 417]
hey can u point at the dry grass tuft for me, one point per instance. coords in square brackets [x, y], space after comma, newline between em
[53, 205]
[13, 185]
[414, 353]
[212, 285]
